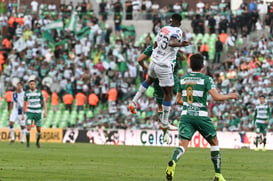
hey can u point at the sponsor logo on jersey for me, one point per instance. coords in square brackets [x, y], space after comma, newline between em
[165, 31]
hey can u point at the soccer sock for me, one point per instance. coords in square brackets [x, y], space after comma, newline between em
[216, 158]
[257, 141]
[177, 154]
[166, 111]
[12, 133]
[264, 141]
[143, 87]
[28, 136]
[23, 135]
[38, 135]
[160, 114]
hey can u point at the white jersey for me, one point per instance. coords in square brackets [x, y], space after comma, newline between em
[163, 54]
[18, 102]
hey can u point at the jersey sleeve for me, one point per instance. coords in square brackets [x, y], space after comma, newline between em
[149, 50]
[210, 84]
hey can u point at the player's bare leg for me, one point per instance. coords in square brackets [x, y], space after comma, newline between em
[142, 89]
[11, 132]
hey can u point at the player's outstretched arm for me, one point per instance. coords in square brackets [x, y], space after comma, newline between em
[141, 59]
[175, 43]
[221, 97]
[179, 98]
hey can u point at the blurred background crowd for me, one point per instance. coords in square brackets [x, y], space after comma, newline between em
[85, 59]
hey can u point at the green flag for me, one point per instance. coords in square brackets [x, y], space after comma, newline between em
[71, 25]
[61, 42]
[55, 25]
[83, 32]
[47, 36]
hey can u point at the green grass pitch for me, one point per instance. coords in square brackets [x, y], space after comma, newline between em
[72, 162]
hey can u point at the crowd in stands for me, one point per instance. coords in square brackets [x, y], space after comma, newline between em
[77, 58]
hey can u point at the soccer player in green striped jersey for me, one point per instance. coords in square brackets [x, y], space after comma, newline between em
[192, 95]
[261, 118]
[36, 101]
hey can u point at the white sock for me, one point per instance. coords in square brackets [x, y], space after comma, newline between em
[139, 93]
[12, 133]
[165, 115]
[23, 135]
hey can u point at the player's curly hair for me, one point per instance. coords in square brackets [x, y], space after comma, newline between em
[196, 62]
[176, 17]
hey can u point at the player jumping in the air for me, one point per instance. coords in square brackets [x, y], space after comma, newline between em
[192, 94]
[16, 107]
[158, 93]
[36, 101]
[261, 118]
[166, 46]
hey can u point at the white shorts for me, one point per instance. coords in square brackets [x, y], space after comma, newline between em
[163, 73]
[17, 118]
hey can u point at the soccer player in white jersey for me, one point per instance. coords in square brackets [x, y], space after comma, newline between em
[16, 107]
[166, 46]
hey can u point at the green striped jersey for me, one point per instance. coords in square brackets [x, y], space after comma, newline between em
[35, 99]
[262, 113]
[194, 88]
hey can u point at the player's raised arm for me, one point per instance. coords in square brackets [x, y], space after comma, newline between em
[174, 42]
[221, 97]
[141, 59]
[143, 56]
